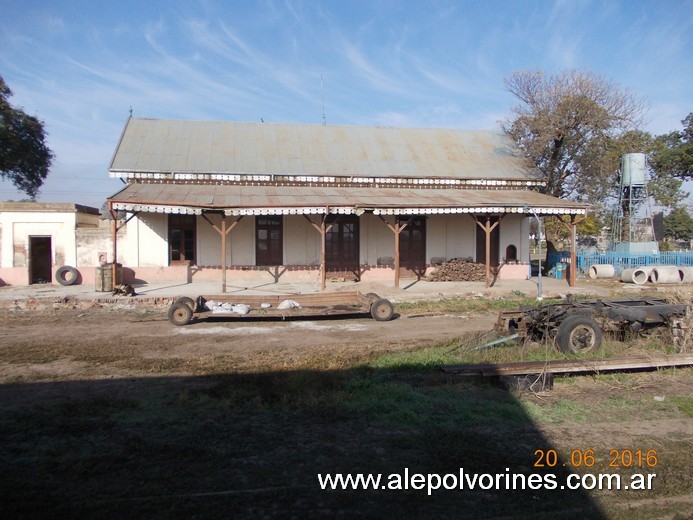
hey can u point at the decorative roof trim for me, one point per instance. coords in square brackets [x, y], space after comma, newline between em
[322, 210]
[328, 179]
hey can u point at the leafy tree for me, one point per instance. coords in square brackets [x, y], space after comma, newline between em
[567, 125]
[671, 159]
[675, 151]
[24, 157]
[678, 225]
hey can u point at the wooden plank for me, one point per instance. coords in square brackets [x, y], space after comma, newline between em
[350, 298]
[223, 252]
[286, 313]
[317, 304]
[573, 366]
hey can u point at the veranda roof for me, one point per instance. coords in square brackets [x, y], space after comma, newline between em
[305, 200]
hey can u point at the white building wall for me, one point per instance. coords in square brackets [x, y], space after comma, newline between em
[147, 241]
[377, 240]
[95, 245]
[450, 236]
[209, 241]
[19, 226]
[514, 229]
[301, 241]
[447, 236]
[240, 241]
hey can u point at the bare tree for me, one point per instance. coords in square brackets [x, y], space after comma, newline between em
[566, 124]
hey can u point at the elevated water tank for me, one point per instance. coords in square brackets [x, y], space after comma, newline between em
[634, 169]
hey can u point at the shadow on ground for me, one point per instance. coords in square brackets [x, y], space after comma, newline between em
[253, 445]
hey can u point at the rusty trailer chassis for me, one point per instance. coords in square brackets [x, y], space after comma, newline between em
[185, 309]
[577, 326]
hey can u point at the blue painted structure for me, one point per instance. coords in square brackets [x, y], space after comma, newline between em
[621, 261]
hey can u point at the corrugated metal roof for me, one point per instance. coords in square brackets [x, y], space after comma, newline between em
[236, 199]
[154, 146]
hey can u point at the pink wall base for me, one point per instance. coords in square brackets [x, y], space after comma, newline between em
[190, 274]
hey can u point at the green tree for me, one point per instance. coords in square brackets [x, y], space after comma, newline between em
[671, 159]
[678, 225]
[24, 157]
[674, 153]
[567, 125]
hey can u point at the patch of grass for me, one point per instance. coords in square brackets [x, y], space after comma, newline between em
[467, 305]
[420, 360]
[684, 404]
[564, 410]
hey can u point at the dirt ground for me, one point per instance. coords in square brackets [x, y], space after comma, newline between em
[56, 344]
[76, 343]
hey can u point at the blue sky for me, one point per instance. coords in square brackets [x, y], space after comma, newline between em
[81, 65]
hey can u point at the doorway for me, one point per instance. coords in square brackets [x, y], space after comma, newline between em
[181, 239]
[481, 243]
[412, 247]
[342, 245]
[40, 263]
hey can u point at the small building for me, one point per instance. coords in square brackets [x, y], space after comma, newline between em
[37, 238]
[209, 199]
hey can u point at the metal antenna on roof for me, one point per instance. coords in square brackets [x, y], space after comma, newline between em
[322, 97]
[130, 110]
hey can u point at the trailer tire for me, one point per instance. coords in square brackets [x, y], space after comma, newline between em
[382, 310]
[66, 275]
[180, 314]
[373, 296]
[187, 301]
[579, 334]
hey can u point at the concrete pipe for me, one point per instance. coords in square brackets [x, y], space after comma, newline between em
[637, 276]
[601, 271]
[666, 274]
[648, 271]
[686, 274]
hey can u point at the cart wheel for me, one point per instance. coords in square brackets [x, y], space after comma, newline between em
[187, 301]
[372, 296]
[382, 310]
[179, 314]
[579, 334]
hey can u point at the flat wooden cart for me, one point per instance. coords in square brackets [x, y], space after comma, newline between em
[184, 309]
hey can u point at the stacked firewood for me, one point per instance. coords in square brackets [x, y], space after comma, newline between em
[459, 270]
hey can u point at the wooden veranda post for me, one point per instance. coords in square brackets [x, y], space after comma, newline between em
[572, 227]
[488, 228]
[114, 230]
[397, 231]
[396, 228]
[223, 253]
[224, 230]
[323, 253]
[323, 229]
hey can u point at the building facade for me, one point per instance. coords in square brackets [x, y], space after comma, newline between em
[38, 238]
[210, 200]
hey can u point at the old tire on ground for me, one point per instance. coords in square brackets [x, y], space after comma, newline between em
[66, 275]
[179, 314]
[187, 301]
[382, 310]
[372, 296]
[579, 334]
